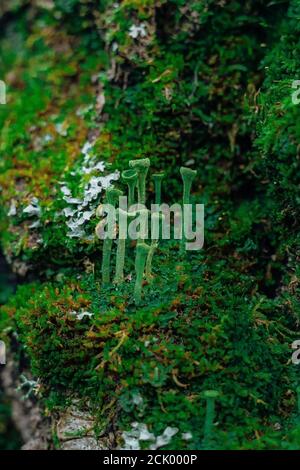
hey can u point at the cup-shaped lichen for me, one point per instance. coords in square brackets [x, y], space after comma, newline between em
[210, 396]
[112, 197]
[141, 167]
[130, 177]
[188, 175]
[158, 177]
[142, 250]
[120, 259]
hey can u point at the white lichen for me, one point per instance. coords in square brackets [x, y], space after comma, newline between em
[13, 209]
[80, 315]
[33, 209]
[136, 31]
[32, 387]
[186, 436]
[84, 208]
[139, 433]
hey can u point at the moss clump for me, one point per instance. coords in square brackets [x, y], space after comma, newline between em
[166, 352]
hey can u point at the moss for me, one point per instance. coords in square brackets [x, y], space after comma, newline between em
[236, 345]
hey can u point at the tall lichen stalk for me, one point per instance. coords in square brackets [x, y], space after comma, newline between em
[210, 396]
[188, 175]
[142, 168]
[142, 251]
[157, 178]
[130, 177]
[155, 222]
[112, 197]
[124, 216]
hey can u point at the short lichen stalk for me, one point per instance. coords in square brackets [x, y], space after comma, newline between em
[210, 396]
[188, 175]
[112, 197]
[158, 177]
[130, 177]
[141, 167]
[121, 249]
[142, 251]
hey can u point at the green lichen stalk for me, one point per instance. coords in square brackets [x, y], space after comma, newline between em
[210, 396]
[156, 217]
[107, 246]
[121, 249]
[188, 175]
[143, 216]
[153, 247]
[112, 197]
[142, 251]
[142, 167]
[130, 177]
[158, 177]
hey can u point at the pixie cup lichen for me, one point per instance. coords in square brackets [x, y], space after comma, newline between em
[112, 197]
[157, 178]
[120, 258]
[210, 397]
[155, 223]
[130, 177]
[141, 167]
[143, 215]
[142, 250]
[188, 175]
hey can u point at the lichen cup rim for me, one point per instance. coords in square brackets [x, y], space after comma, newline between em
[159, 176]
[113, 193]
[141, 163]
[129, 175]
[188, 171]
[211, 394]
